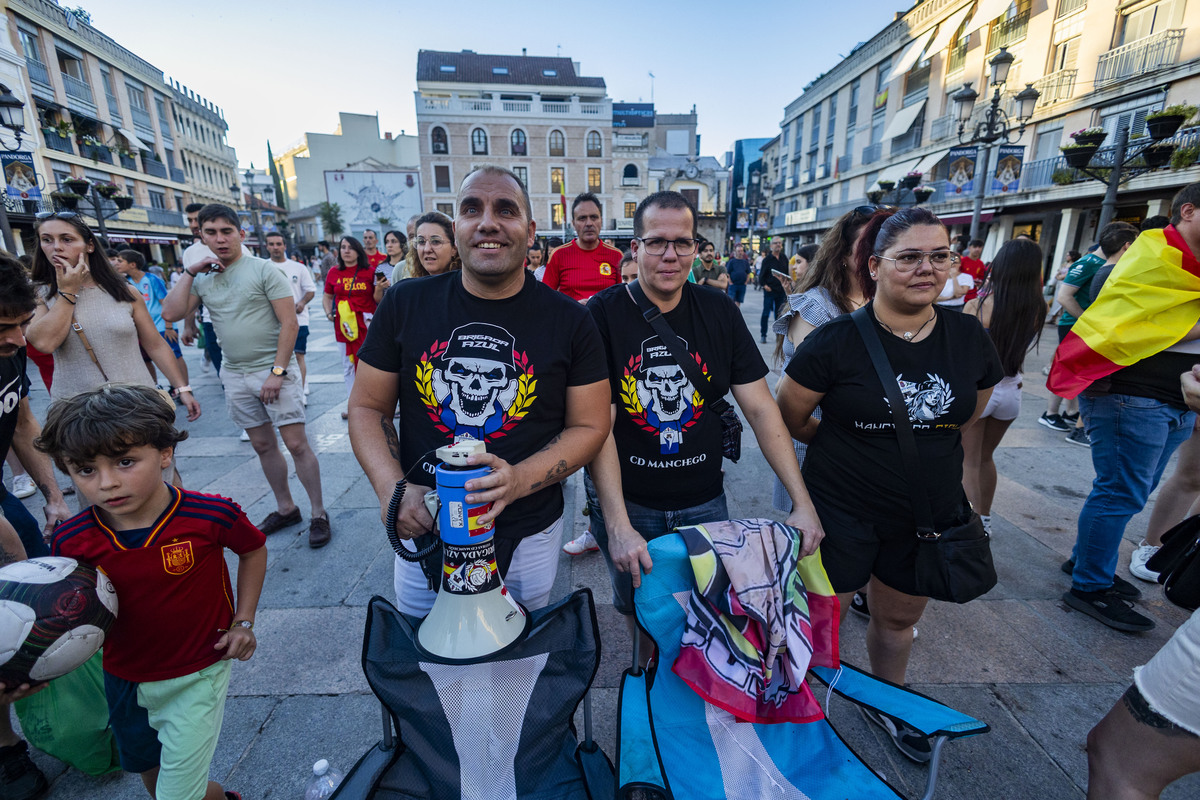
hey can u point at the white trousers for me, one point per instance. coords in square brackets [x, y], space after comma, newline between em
[530, 577]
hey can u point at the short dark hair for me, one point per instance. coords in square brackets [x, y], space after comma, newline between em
[703, 243]
[537, 245]
[1157, 222]
[215, 211]
[17, 295]
[1188, 194]
[371, 230]
[586, 197]
[108, 422]
[192, 208]
[323, 243]
[664, 199]
[493, 169]
[975, 243]
[275, 234]
[1115, 236]
[133, 257]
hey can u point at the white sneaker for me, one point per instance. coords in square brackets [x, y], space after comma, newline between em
[1137, 562]
[306, 388]
[584, 544]
[23, 486]
[986, 519]
[245, 437]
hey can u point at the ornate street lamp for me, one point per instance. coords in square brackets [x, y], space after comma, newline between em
[12, 117]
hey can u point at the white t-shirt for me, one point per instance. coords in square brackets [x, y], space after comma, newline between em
[300, 279]
[194, 254]
[947, 298]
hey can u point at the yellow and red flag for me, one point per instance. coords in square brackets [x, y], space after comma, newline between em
[1148, 303]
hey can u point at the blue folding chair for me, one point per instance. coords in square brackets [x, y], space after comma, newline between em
[672, 744]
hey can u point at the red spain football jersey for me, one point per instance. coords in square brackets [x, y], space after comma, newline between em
[173, 590]
[580, 273]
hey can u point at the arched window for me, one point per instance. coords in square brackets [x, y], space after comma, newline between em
[558, 143]
[629, 177]
[479, 142]
[518, 143]
[594, 148]
[438, 143]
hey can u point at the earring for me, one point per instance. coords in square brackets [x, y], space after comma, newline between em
[872, 274]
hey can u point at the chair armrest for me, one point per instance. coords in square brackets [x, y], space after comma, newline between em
[638, 764]
[912, 708]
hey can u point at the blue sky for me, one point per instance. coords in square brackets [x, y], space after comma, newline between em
[281, 69]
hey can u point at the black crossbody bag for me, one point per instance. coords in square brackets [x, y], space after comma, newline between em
[1177, 563]
[954, 564]
[731, 425]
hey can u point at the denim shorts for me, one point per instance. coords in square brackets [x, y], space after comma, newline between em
[301, 341]
[737, 291]
[651, 524]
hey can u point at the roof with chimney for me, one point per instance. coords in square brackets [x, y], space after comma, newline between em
[468, 66]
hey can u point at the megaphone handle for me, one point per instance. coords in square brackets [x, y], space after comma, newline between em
[394, 538]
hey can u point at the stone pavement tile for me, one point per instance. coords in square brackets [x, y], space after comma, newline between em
[1027, 568]
[300, 577]
[616, 647]
[358, 494]
[376, 579]
[221, 446]
[604, 720]
[75, 785]
[304, 651]
[1120, 652]
[300, 731]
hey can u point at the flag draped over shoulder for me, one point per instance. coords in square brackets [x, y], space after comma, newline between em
[1148, 303]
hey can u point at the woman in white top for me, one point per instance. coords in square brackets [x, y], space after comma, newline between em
[953, 294]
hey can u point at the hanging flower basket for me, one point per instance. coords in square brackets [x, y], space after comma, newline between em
[1088, 136]
[911, 180]
[65, 200]
[1079, 155]
[875, 195]
[108, 190]
[124, 202]
[1158, 155]
[1164, 127]
[886, 186]
[922, 193]
[79, 186]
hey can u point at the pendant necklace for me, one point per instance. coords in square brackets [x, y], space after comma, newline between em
[906, 335]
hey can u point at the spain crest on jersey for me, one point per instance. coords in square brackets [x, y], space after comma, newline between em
[178, 557]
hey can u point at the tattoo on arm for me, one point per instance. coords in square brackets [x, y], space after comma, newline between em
[44, 489]
[553, 475]
[6, 557]
[389, 435]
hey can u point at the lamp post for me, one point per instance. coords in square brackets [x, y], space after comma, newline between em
[249, 176]
[12, 117]
[995, 125]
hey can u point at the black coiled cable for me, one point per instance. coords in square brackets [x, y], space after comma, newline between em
[393, 510]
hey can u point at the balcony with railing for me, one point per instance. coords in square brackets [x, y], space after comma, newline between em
[1066, 7]
[177, 175]
[1140, 56]
[1010, 30]
[141, 119]
[114, 109]
[96, 152]
[128, 162]
[957, 58]
[77, 88]
[944, 127]
[478, 106]
[163, 216]
[164, 125]
[154, 167]
[60, 143]
[37, 72]
[1051, 171]
[1056, 87]
[30, 207]
[872, 153]
[844, 163]
[907, 142]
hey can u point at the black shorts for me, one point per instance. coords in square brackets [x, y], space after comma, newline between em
[1063, 330]
[854, 549]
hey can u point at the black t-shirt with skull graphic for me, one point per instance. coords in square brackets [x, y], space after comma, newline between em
[854, 460]
[497, 370]
[668, 442]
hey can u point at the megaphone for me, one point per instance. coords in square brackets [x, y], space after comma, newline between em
[474, 614]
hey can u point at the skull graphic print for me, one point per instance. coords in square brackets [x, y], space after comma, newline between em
[658, 395]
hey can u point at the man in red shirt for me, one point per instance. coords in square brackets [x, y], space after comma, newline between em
[587, 265]
[973, 266]
[371, 245]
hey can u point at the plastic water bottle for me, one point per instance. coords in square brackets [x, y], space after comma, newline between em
[324, 781]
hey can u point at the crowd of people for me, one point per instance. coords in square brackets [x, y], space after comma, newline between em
[441, 334]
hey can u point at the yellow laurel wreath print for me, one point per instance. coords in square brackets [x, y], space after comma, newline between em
[629, 395]
[526, 386]
[425, 384]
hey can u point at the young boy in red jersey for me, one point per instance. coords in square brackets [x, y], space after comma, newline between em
[167, 658]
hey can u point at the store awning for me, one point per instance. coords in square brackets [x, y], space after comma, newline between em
[985, 12]
[133, 140]
[910, 56]
[138, 238]
[947, 29]
[927, 163]
[895, 172]
[904, 120]
[960, 219]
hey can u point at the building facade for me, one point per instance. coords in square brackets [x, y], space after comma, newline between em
[887, 110]
[208, 162]
[95, 110]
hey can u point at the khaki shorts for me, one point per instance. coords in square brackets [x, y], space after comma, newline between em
[248, 411]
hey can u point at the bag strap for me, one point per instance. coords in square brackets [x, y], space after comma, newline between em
[904, 432]
[75, 326]
[658, 322]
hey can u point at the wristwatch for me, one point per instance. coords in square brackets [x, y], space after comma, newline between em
[242, 623]
[278, 371]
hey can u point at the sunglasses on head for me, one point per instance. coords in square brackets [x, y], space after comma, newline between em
[45, 215]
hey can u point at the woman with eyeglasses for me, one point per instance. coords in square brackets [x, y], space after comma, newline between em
[1012, 310]
[829, 288]
[91, 319]
[946, 367]
[349, 302]
[433, 250]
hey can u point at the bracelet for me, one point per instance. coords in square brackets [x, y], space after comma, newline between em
[182, 389]
[68, 297]
[189, 272]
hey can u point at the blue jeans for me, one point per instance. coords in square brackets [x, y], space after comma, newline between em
[651, 524]
[210, 345]
[1132, 441]
[769, 307]
[28, 530]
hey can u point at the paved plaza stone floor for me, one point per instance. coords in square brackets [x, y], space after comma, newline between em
[1039, 674]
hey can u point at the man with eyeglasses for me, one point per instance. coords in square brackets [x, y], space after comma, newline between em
[586, 265]
[489, 352]
[660, 468]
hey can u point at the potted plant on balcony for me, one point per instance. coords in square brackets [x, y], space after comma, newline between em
[1078, 155]
[62, 128]
[79, 186]
[922, 192]
[124, 202]
[1063, 176]
[1163, 123]
[108, 190]
[911, 179]
[875, 195]
[1158, 155]
[886, 186]
[67, 200]
[1184, 157]
[1087, 136]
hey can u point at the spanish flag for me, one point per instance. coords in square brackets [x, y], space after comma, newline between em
[1148, 303]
